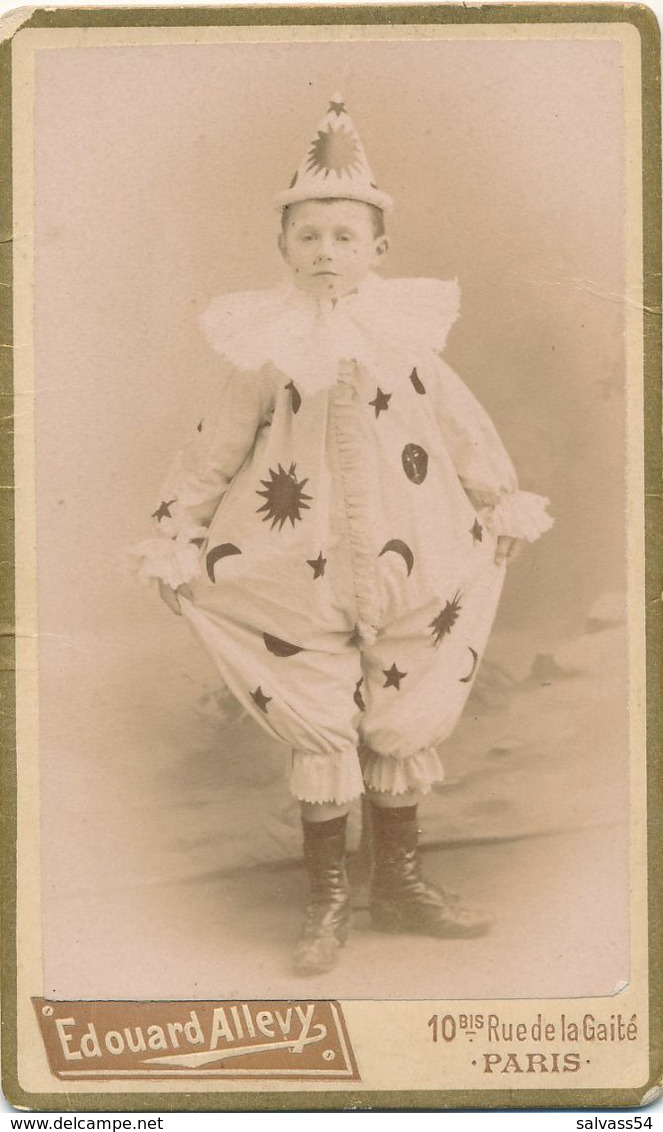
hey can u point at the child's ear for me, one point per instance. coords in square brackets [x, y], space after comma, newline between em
[381, 246]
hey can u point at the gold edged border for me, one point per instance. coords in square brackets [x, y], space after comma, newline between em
[644, 21]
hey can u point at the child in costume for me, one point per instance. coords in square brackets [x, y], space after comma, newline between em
[336, 534]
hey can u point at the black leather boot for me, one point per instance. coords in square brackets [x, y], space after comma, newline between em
[402, 900]
[328, 911]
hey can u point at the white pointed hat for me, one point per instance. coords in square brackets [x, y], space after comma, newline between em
[335, 165]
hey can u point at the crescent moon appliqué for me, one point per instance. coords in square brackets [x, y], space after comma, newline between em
[358, 698]
[278, 647]
[475, 659]
[295, 397]
[417, 382]
[399, 547]
[218, 552]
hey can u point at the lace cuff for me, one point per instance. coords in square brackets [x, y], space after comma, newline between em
[173, 560]
[390, 775]
[518, 514]
[334, 777]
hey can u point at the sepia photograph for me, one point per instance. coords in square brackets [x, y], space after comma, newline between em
[334, 337]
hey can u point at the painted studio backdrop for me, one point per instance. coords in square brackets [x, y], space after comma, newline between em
[155, 172]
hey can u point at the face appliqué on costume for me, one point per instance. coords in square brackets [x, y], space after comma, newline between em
[415, 463]
[285, 497]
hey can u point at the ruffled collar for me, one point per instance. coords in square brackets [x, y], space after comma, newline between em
[306, 338]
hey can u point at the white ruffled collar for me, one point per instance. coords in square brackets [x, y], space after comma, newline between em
[306, 338]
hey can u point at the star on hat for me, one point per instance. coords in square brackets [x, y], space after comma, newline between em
[335, 165]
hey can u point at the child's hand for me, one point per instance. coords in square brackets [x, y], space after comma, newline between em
[508, 549]
[172, 597]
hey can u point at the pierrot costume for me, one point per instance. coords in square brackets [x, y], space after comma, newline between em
[341, 576]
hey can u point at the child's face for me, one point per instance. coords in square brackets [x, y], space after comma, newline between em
[330, 246]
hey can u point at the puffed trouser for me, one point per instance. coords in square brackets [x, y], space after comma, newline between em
[355, 715]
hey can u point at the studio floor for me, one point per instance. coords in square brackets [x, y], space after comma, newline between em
[555, 898]
[170, 845]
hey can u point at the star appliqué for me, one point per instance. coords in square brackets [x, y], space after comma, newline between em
[260, 699]
[318, 566]
[380, 402]
[163, 510]
[394, 677]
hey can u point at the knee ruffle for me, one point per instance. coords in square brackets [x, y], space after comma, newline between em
[389, 775]
[334, 777]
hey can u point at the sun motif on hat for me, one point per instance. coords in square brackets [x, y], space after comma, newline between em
[334, 151]
[334, 165]
[285, 497]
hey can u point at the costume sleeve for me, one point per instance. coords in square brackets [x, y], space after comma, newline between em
[483, 464]
[200, 476]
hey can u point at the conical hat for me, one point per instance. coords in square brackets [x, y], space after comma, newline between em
[335, 165]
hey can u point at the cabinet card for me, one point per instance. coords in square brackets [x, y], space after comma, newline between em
[342, 572]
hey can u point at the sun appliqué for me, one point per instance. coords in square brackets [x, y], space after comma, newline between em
[446, 618]
[285, 497]
[334, 151]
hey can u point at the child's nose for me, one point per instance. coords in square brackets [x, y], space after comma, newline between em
[325, 249]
